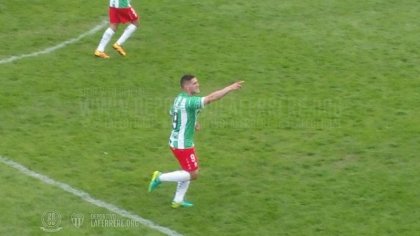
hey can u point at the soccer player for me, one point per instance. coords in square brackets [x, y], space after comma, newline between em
[120, 12]
[184, 114]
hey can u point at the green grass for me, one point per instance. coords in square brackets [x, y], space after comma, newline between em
[323, 139]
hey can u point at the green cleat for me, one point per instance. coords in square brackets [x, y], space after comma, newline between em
[184, 204]
[155, 181]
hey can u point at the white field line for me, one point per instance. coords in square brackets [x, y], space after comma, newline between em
[56, 47]
[86, 197]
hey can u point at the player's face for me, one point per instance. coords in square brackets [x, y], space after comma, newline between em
[194, 86]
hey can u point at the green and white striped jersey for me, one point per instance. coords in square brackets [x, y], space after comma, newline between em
[119, 3]
[184, 112]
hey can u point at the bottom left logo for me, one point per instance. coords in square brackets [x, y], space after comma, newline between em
[51, 221]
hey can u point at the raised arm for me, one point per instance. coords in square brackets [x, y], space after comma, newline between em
[216, 95]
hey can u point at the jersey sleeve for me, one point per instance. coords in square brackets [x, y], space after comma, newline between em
[195, 103]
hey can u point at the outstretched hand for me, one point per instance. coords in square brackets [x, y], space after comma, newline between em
[237, 85]
[216, 95]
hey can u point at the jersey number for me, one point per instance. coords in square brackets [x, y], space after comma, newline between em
[175, 120]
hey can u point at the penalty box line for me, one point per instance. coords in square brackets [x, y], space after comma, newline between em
[87, 198]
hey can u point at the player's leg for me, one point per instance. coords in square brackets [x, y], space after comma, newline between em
[109, 32]
[174, 176]
[189, 163]
[131, 16]
[129, 30]
[181, 190]
[106, 37]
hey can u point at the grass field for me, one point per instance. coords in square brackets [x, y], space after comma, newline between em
[323, 139]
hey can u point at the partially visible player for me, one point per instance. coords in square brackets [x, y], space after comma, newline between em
[120, 12]
[184, 114]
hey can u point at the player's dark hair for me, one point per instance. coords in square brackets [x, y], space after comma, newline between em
[186, 78]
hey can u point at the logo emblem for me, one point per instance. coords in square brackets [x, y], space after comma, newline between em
[77, 219]
[51, 221]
